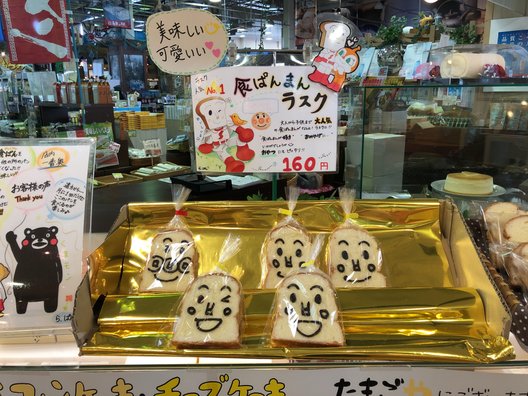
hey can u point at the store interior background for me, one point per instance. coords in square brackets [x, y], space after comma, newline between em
[265, 33]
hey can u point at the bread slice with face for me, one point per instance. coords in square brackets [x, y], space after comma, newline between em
[172, 263]
[210, 313]
[286, 249]
[306, 312]
[354, 258]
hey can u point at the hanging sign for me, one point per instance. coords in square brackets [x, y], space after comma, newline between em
[117, 14]
[339, 54]
[37, 31]
[186, 40]
[43, 199]
[263, 119]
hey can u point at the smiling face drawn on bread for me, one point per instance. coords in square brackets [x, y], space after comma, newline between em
[171, 265]
[354, 259]
[287, 248]
[210, 313]
[306, 312]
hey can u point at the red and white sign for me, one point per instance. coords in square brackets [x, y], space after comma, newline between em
[37, 31]
[117, 14]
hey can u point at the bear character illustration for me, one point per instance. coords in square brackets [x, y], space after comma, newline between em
[39, 270]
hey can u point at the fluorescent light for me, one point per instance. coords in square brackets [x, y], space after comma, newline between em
[215, 1]
[268, 32]
[241, 35]
[430, 1]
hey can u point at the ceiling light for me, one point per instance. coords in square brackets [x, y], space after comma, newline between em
[215, 1]
[241, 35]
[430, 1]
[269, 38]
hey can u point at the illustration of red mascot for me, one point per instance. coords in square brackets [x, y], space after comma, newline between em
[338, 56]
[221, 134]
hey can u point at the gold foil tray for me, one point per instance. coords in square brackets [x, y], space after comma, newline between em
[441, 304]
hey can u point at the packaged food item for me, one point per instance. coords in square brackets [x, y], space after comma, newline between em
[496, 216]
[305, 310]
[172, 263]
[211, 312]
[286, 247]
[353, 255]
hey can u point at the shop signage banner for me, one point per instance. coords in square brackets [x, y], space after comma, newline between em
[43, 198]
[37, 31]
[224, 381]
[186, 40]
[263, 119]
[117, 14]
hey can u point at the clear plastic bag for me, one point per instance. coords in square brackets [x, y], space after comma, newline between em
[211, 311]
[286, 247]
[305, 309]
[172, 263]
[353, 255]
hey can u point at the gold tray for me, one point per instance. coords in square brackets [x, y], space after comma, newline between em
[441, 304]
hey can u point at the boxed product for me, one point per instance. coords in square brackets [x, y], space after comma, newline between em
[434, 299]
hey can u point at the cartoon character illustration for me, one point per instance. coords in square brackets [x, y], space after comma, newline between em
[172, 263]
[210, 314]
[354, 259]
[221, 134]
[306, 312]
[338, 56]
[286, 250]
[38, 273]
[261, 120]
[4, 272]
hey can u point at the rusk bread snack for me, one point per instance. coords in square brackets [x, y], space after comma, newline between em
[172, 262]
[305, 312]
[517, 266]
[353, 254]
[286, 247]
[516, 229]
[210, 314]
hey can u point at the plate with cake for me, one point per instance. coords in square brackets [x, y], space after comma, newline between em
[468, 184]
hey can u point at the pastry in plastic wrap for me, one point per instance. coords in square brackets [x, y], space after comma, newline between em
[172, 263]
[353, 255]
[354, 258]
[305, 312]
[516, 229]
[496, 216]
[210, 313]
[286, 247]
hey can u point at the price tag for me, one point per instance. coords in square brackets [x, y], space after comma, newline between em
[117, 176]
[301, 164]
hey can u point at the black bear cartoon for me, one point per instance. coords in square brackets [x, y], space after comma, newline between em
[39, 270]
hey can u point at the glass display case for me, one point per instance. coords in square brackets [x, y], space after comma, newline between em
[404, 138]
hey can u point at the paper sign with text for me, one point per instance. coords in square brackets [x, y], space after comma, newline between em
[186, 40]
[263, 119]
[43, 198]
[223, 381]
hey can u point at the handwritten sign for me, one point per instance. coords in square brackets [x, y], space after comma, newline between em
[262, 119]
[220, 381]
[186, 40]
[42, 205]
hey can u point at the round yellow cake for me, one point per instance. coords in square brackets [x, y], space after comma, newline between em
[469, 183]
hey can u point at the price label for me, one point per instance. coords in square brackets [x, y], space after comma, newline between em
[299, 164]
[117, 176]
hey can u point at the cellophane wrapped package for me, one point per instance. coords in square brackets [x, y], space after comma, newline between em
[286, 246]
[353, 255]
[211, 311]
[305, 310]
[172, 263]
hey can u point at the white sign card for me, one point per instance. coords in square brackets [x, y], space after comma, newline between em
[186, 40]
[43, 200]
[220, 381]
[263, 119]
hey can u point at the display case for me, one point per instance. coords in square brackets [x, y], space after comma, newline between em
[404, 138]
